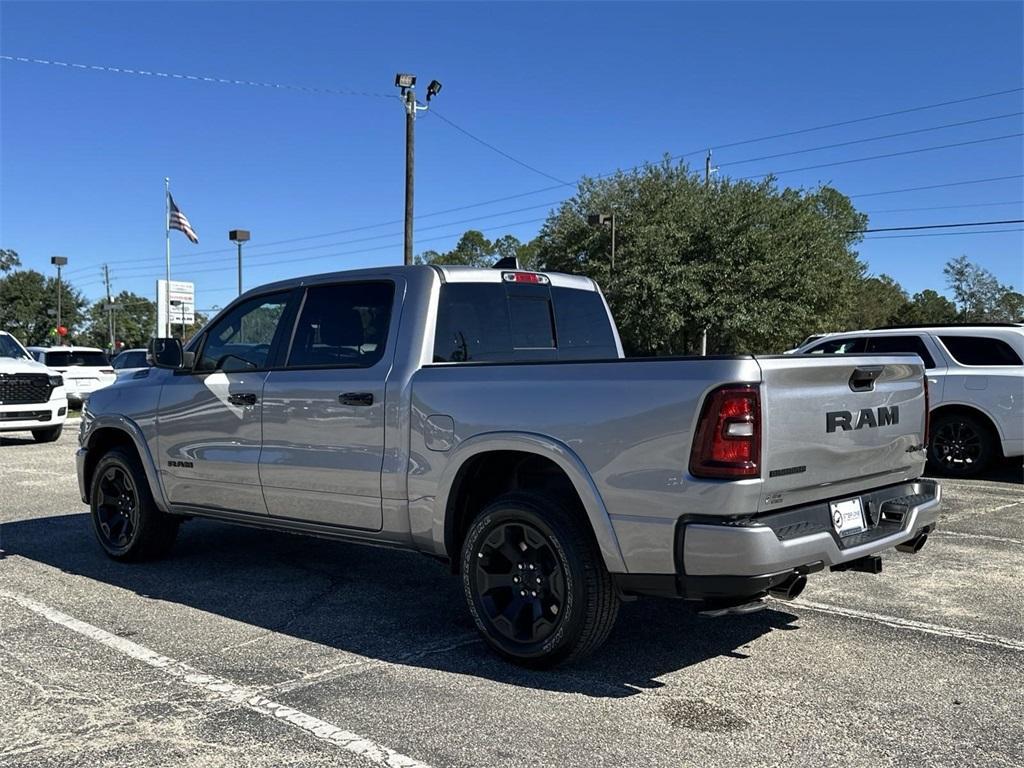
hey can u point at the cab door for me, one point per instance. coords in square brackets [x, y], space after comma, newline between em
[209, 423]
[323, 409]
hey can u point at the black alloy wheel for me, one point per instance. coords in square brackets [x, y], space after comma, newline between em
[960, 445]
[535, 581]
[117, 508]
[520, 582]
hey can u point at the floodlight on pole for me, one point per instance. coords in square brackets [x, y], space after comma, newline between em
[58, 262]
[600, 220]
[406, 82]
[239, 236]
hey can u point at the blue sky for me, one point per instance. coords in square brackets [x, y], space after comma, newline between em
[569, 88]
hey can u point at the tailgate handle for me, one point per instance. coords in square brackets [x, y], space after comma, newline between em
[863, 379]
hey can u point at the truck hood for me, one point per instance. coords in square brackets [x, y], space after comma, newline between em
[12, 365]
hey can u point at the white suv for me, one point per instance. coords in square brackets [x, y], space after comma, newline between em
[85, 369]
[32, 397]
[975, 385]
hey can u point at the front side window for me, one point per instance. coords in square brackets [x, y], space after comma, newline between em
[912, 344]
[130, 360]
[10, 348]
[343, 326]
[980, 350]
[241, 339]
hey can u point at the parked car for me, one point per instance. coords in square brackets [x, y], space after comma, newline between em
[488, 418]
[85, 369]
[130, 361]
[975, 386]
[32, 397]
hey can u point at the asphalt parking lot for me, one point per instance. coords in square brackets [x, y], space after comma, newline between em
[264, 649]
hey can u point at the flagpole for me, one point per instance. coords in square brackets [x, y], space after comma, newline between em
[167, 233]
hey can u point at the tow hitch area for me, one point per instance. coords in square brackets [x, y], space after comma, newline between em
[868, 564]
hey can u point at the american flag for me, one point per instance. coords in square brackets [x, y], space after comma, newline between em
[178, 220]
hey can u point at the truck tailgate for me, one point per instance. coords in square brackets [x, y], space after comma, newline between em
[833, 425]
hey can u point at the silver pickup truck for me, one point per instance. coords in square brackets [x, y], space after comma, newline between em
[488, 418]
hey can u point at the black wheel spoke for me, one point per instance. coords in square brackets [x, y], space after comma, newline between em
[519, 582]
[117, 507]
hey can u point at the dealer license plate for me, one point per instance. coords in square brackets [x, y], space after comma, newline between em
[847, 516]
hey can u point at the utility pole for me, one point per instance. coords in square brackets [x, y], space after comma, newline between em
[407, 84]
[239, 236]
[110, 307]
[708, 170]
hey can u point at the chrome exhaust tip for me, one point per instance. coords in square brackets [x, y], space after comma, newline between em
[914, 545]
[790, 589]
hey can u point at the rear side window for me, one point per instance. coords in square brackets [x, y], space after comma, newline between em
[344, 326]
[69, 358]
[839, 347]
[980, 350]
[498, 322]
[912, 344]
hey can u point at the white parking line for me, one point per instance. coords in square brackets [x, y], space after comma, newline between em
[225, 689]
[982, 536]
[913, 625]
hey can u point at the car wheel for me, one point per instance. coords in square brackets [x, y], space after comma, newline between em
[125, 518]
[961, 445]
[535, 583]
[47, 435]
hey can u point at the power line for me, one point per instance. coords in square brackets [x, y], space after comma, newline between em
[938, 186]
[493, 148]
[944, 226]
[198, 78]
[946, 207]
[885, 156]
[872, 138]
[945, 234]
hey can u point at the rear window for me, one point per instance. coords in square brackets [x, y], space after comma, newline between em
[980, 350]
[69, 359]
[913, 344]
[497, 322]
[839, 347]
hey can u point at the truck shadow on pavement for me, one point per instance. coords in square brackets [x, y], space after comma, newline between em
[385, 605]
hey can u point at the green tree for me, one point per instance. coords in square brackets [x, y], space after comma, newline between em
[8, 260]
[927, 308]
[757, 266]
[134, 321]
[28, 307]
[980, 297]
[880, 301]
[475, 250]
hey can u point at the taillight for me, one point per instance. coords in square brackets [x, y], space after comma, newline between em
[728, 441]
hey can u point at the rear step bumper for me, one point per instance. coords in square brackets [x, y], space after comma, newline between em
[722, 563]
[783, 541]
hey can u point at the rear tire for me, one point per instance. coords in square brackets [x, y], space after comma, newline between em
[961, 445]
[125, 519]
[47, 435]
[535, 583]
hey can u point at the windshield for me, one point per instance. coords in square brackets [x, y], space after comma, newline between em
[70, 358]
[10, 348]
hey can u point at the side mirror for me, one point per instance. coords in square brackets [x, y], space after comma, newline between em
[166, 353]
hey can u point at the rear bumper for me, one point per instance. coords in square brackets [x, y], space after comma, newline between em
[746, 557]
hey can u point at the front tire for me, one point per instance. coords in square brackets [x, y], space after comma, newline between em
[125, 519]
[961, 445]
[49, 435]
[535, 583]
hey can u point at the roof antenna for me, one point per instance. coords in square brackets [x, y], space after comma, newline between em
[509, 262]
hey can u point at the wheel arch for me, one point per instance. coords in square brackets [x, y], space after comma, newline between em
[122, 433]
[487, 466]
[951, 409]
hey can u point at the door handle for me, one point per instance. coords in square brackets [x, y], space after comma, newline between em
[242, 398]
[356, 398]
[863, 379]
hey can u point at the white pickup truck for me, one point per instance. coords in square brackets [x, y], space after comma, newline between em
[488, 418]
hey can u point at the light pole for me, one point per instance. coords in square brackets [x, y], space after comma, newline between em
[59, 261]
[599, 220]
[239, 236]
[407, 84]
